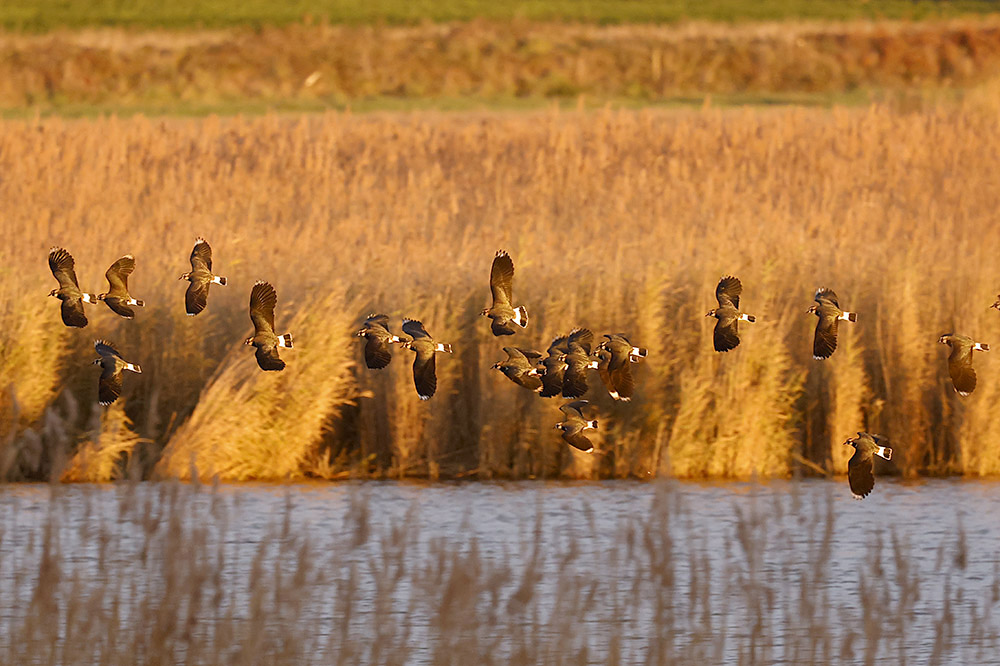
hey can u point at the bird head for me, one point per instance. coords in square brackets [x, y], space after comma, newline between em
[710, 313]
[185, 276]
[248, 341]
[558, 426]
[997, 303]
[100, 297]
[54, 292]
[944, 339]
[485, 312]
[853, 441]
[97, 361]
[812, 309]
[496, 366]
[361, 333]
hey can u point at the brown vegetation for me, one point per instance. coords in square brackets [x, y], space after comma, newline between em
[166, 574]
[621, 221]
[488, 60]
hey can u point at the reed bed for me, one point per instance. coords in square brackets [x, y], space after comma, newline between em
[166, 573]
[619, 221]
[331, 65]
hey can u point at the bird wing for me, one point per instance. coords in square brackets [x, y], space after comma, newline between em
[263, 298]
[621, 379]
[117, 305]
[196, 297]
[501, 327]
[268, 359]
[574, 408]
[377, 320]
[859, 473]
[118, 273]
[729, 290]
[377, 353]
[575, 378]
[582, 338]
[552, 380]
[201, 255]
[105, 349]
[415, 329]
[502, 278]
[575, 438]
[963, 376]
[63, 267]
[559, 346]
[425, 374]
[825, 339]
[72, 313]
[726, 335]
[109, 386]
[529, 354]
[824, 294]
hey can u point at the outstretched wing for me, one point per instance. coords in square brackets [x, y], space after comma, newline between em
[196, 297]
[963, 376]
[425, 374]
[268, 359]
[118, 273]
[109, 386]
[621, 379]
[201, 255]
[377, 320]
[574, 408]
[824, 294]
[377, 354]
[263, 298]
[582, 338]
[578, 440]
[415, 329]
[859, 474]
[63, 267]
[559, 346]
[104, 348]
[726, 335]
[575, 378]
[502, 278]
[501, 328]
[72, 313]
[825, 339]
[728, 291]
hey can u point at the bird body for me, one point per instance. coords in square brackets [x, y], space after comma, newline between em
[578, 361]
[553, 368]
[424, 365]
[117, 297]
[728, 315]
[502, 312]
[963, 375]
[574, 424]
[201, 278]
[827, 309]
[620, 356]
[263, 298]
[518, 367]
[112, 365]
[378, 341]
[64, 270]
[860, 467]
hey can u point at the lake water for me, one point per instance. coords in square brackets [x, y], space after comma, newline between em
[528, 572]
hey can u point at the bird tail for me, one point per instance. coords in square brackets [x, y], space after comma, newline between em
[218, 279]
[594, 365]
[135, 301]
[641, 352]
[443, 347]
[133, 367]
[981, 346]
[89, 298]
[748, 317]
[521, 316]
[849, 316]
[285, 340]
[592, 425]
[885, 452]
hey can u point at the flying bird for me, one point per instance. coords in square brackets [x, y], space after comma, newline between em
[262, 301]
[578, 360]
[728, 316]
[622, 355]
[378, 341]
[109, 386]
[860, 466]
[424, 370]
[830, 315]
[996, 303]
[963, 376]
[117, 297]
[553, 367]
[519, 366]
[503, 312]
[573, 425]
[64, 270]
[200, 276]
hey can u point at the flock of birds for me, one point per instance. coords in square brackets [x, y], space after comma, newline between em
[560, 371]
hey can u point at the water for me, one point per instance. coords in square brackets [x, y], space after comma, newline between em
[528, 572]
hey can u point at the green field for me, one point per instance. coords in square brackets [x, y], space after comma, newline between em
[42, 15]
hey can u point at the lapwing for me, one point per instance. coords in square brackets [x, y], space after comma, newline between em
[63, 269]
[424, 372]
[578, 360]
[728, 316]
[109, 387]
[262, 301]
[573, 425]
[519, 366]
[830, 315]
[503, 312]
[861, 464]
[623, 355]
[553, 367]
[996, 303]
[200, 276]
[378, 341]
[963, 376]
[603, 358]
[117, 298]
